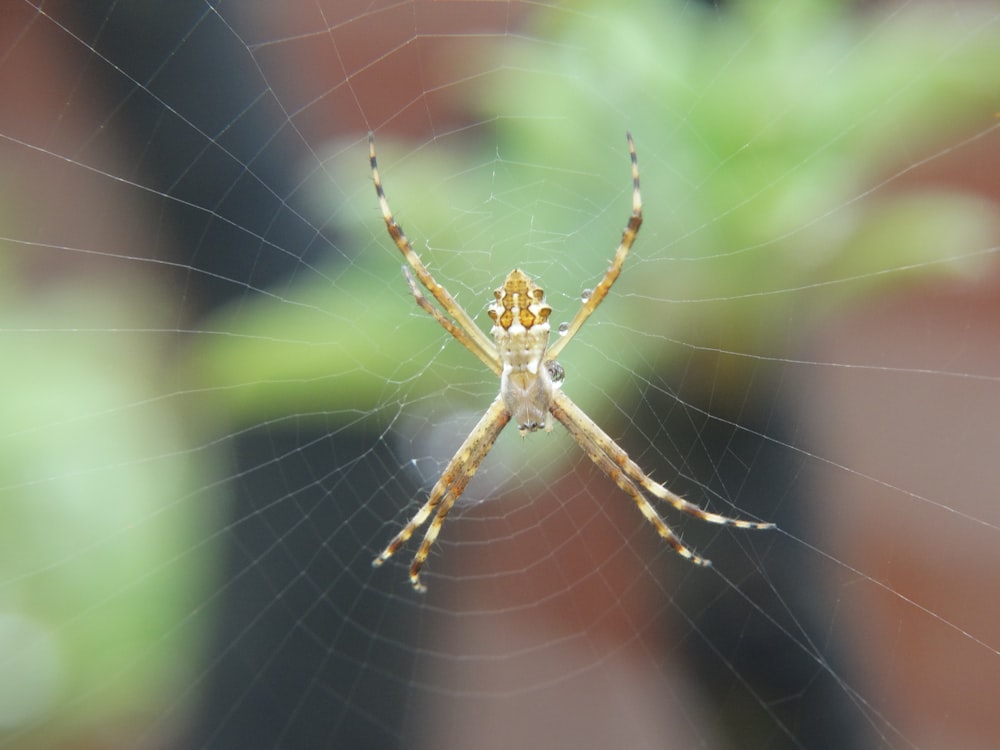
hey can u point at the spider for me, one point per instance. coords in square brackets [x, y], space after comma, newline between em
[530, 386]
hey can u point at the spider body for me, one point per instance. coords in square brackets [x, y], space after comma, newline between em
[521, 333]
[530, 386]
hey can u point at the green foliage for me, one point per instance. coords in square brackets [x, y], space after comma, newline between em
[770, 137]
[99, 503]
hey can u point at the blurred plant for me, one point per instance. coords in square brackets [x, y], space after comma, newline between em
[770, 137]
[103, 515]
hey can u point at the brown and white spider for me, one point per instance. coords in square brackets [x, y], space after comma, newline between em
[530, 386]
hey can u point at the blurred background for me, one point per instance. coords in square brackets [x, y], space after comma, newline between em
[220, 401]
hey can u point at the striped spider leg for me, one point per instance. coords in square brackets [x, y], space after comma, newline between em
[530, 387]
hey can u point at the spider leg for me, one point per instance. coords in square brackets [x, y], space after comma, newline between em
[601, 290]
[581, 430]
[449, 488]
[438, 521]
[632, 470]
[456, 331]
[476, 341]
[614, 461]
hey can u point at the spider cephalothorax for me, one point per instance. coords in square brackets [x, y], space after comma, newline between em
[530, 381]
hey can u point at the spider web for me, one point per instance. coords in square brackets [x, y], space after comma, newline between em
[221, 402]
